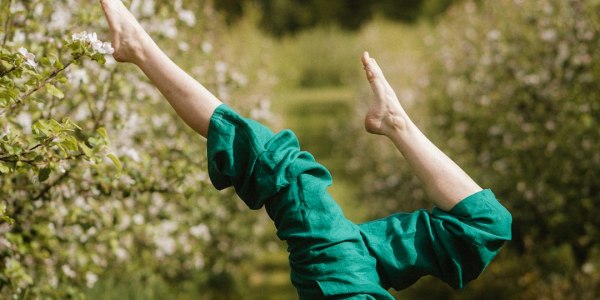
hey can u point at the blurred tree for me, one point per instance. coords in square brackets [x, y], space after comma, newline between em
[512, 95]
[281, 17]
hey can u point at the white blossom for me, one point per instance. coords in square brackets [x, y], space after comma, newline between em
[121, 254]
[61, 18]
[165, 244]
[24, 119]
[588, 268]
[207, 47]
[167, 28]
[79, 76]
[68, 271]
[183, 46]
[168, 226]
[124, 223]
[103, 47]
[148, 7]
[200, 231]
[38, 10]
[138, 219]
[548, 35]
[92, 38]
[19, 37]
[132, 153]
[17, 7]
[90, 279]
[29, 57]
[198, 261]
[187, 17]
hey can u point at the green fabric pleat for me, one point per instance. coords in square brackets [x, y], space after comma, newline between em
[331, 257]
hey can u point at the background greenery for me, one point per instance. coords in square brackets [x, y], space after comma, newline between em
[508, 88]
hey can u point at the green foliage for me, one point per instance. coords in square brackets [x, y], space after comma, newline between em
[102, 187]
[96, 172]
[283, 17]
[510, 92]
[526, 103]
[314, 64]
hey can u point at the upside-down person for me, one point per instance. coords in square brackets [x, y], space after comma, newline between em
[330, 256]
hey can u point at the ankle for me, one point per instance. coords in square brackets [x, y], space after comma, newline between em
[140, 50]
[398, 126]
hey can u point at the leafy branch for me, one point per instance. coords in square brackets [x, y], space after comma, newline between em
[8, 71]
[43, 83]
[96, 127]
[46, 81]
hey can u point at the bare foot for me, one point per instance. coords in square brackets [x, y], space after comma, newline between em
[128, 38]
[386, 114]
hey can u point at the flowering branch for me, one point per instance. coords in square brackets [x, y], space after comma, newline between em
[47, 80]
[39, 86]
[6, 158]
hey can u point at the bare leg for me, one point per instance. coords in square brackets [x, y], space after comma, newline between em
[444, 181]
[194, 103]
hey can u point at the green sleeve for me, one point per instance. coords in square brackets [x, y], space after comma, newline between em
[454, 246]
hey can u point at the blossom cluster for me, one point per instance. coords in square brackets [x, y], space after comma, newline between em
[92, 38]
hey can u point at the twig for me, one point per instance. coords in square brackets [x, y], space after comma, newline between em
[47, 188]
[39, 86]
[105, 100]
[28, 161]
[45, 142]
[8, 71]
[50, 78]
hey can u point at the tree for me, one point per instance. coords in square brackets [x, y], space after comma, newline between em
[511, 94]
[96, 171]
[291, 16]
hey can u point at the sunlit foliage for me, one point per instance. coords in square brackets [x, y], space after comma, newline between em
[96, 171]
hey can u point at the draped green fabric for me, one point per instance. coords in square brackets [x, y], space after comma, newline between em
[331, 257]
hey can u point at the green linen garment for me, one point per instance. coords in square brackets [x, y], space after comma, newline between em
[331, 257]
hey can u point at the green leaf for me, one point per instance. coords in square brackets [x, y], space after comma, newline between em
[99, 58]
[102, 132]
[55, 126]
[3, 216]
[6, 64]
[4, 168]
[86, 150]
[58, 64]
[44, 61]
[117, 163]
[43, 174]
[52, 90]
[70, 143]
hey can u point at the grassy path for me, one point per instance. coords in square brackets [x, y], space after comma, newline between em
[311, 114]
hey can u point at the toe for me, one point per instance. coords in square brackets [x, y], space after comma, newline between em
[371, 67]
[365, 58]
